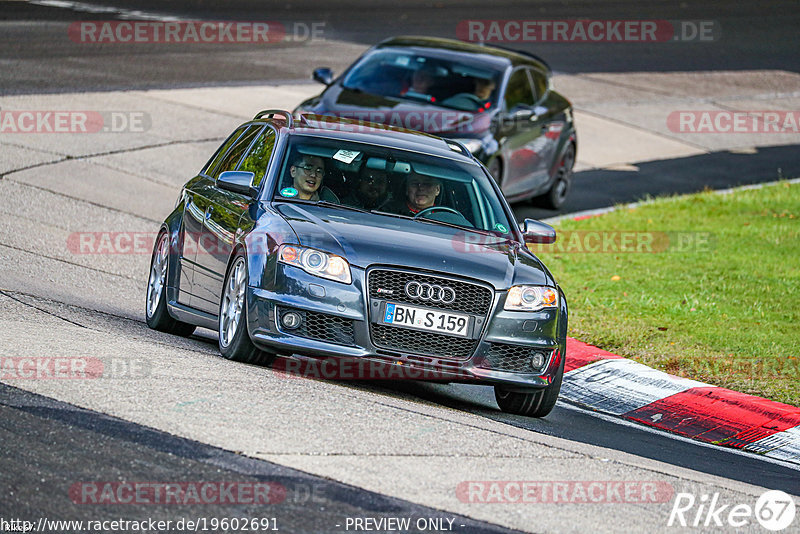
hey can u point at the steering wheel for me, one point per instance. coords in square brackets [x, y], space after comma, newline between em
[434, 208]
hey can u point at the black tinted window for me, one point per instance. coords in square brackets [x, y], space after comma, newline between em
[519, 90]
[231, 159]
[257, 159]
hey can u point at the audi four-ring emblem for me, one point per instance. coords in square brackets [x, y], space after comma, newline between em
[430, 292]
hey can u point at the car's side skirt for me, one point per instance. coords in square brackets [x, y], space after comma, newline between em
[189, 315]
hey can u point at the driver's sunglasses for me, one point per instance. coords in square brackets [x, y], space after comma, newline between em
[311, 170]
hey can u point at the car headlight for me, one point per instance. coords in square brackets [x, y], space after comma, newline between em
[531, 298]
[316, 262]
[473, 145]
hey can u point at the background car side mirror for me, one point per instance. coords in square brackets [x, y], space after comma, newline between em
[534, 231]
[238, 182]
[323, 75]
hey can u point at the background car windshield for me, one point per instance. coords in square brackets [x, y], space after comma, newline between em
[414, 77]
[392, 181]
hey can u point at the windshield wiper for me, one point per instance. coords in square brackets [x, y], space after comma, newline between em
[458, 226]
[329, 204]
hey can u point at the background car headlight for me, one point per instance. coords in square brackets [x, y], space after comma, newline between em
[531, 298]
[316, 262]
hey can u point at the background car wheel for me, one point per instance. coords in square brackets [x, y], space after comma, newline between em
[557, 195]
[534, 404]
[234, 341]
[156, 314]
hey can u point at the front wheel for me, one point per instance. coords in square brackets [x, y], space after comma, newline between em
[534, 404]
[156, 314]
[234, 341]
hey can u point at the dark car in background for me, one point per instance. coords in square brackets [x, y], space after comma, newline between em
[281, 245]
[498, 103]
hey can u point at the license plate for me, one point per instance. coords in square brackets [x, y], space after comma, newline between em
[454, 324]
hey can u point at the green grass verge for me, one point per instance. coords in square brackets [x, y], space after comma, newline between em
[715, 300]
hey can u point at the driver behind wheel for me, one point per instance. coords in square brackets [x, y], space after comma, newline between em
[421, 193]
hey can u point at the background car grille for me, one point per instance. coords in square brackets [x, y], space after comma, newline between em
[321, 326]
[513, 358]
[408, 340]
[470, 298]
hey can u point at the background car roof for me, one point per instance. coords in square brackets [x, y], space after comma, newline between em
[496, 54]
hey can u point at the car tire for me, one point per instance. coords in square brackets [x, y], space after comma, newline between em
[558, 192]
[534, 404]
[156, 314]
[234, 340]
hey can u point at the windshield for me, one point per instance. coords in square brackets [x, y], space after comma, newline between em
[414, 77]
[390, 182]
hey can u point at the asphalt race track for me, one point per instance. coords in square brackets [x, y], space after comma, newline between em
[176, 412]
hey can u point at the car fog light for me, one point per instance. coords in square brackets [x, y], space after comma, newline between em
[291, 320]
[537, 361]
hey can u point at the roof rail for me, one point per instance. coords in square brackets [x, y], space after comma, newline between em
[269, 113]
[453, 144]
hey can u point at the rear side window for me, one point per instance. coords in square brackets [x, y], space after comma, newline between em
[519, 92]
[224, 149]
[257, 159]
[230, 160]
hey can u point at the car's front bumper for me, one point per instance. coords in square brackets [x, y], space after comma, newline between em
[343, 328]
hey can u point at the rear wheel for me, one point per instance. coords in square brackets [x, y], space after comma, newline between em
[234, 341]
[557, 195]
[534, 404]
[156, 314]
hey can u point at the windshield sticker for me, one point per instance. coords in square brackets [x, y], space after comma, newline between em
[288, 192]
[501, 228]
[402, 61]
[346, 156]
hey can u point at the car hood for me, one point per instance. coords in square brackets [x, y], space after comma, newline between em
[346, 103]
[366, 239]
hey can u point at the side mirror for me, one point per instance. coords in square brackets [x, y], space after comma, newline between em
[534, 231]
[238, 182]
[323, 75]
